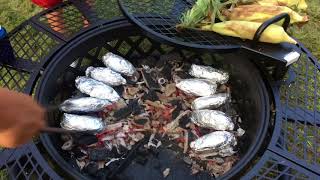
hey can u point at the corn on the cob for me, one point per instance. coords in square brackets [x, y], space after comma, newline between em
[267, 2]
[246, 30]
[299, 4]
[259, 13]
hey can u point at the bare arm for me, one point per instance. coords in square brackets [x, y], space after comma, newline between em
[21, 118]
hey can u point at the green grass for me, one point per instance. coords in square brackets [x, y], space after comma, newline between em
[309, 34]
[14, 12]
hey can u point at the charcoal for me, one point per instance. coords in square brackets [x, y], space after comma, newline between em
[149, 61]
[135, 106]
[152, 85]
[91, 168]
[132, 107]
[187, 160]
[122, 149]
[73, 162]
[99, 154]
[78, 153]
[114, 165]
[141, 160]
[184, 121]
[141, 121]
[171, 57]
[142, 151]
[162, 62]
[85, 139]
[166, 73]
[123, 112]
[78, 94]
[154, 151]
[184, 75]
[156, 164]
[119, 89]
[102, 174]
[178, 106]
[151, 95]
[129, 81]
[191, 136]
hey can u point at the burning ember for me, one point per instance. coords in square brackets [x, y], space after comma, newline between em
[164, 105]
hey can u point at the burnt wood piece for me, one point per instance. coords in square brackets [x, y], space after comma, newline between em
[128, 159]
[151, 95]
[91, 168]
[151, 84]
[166, 72]
[132, 108]
[101, 154]
[85, 139]
[78, 153]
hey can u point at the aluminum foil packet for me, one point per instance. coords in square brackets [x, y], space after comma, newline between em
[118, 64]
[105, 75]
[197, 87]
[81, 123]
[221, 142]
[212, 119]
[84, 104]
[208, 72]
[209, 102]
[96, 89]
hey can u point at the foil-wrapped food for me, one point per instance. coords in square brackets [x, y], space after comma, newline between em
[197, 87]
[96, 89]
[212, 119]
[208, 72]
[209, 102]
[84, 104]
[81, 123]
[118, 64]
[221, 142]
[105, 75]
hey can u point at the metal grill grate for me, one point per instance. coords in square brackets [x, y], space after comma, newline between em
[31, 44]
[13, 79]
[271, 166]
[65, 20]
[299, 137]
[26, 163]
[159, 18]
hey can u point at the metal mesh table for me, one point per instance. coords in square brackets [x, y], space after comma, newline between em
[293, 151]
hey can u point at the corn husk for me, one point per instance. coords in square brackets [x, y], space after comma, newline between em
[246, 30]
[299, 4]
[261, 13]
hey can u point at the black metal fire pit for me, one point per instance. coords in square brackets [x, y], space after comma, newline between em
[292, 152]
[57, 85]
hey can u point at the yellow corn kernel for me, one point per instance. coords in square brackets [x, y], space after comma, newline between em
[246, 30]
[259, 13]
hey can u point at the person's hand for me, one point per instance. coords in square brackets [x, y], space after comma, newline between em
[21, 118]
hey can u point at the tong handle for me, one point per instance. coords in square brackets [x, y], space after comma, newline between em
[267, 23]
[56, 130]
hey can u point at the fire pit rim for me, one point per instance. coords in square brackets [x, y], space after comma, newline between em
[120, 23]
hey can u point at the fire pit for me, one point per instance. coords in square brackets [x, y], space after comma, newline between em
[155, 153]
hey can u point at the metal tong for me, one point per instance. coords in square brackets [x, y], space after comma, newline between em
[49, 129]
